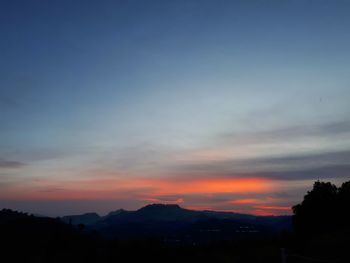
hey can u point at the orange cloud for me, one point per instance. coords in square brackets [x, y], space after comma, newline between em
[279, 208]
[160, 200]
[244, 201]
[211, 185]
[171, 189]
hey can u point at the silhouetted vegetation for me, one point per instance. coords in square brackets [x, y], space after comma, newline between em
[324, 209]
[322, 225]
[26, 238]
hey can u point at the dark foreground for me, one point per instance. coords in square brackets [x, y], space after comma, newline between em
[320, 233]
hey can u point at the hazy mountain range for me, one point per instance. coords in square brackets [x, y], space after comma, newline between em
[176, 223]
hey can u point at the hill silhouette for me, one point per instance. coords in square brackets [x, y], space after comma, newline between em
[28, 238]
[86, 219]
[172, 221]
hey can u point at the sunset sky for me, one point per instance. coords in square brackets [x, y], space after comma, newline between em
[221, 105]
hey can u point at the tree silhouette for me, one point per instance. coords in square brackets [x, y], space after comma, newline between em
[344, 203]
[325, 208]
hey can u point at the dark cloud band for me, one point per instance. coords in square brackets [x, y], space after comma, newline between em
[10, 164]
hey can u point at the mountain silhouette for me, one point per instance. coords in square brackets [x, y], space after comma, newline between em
[171, 220]
[86, 219]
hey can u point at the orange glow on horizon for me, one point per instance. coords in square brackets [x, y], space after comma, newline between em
[244, 201]
[144, 190]
[212, 185]
[115, 188]
[279, 208]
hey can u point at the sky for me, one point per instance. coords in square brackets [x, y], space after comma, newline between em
[220, 105]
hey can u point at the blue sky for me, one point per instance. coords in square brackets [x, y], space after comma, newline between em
[102, 91]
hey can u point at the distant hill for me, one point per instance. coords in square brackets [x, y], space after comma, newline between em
[32, 239]
[152, 233]
[160, 220]
[8, 215]
[86, 219]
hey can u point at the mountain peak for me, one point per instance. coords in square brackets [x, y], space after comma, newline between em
[116, 212]
[161, 207]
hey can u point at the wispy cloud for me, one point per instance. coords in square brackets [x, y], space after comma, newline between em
[10, 164]
[287, 133]
[292, 167]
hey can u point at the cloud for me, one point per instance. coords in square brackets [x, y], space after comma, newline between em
[10, 164]
[286, 133]
[244, 201]
[52, 190]
[36, 154]
[292, 167]
[273, 152]
[266, 207]
[325, 172]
